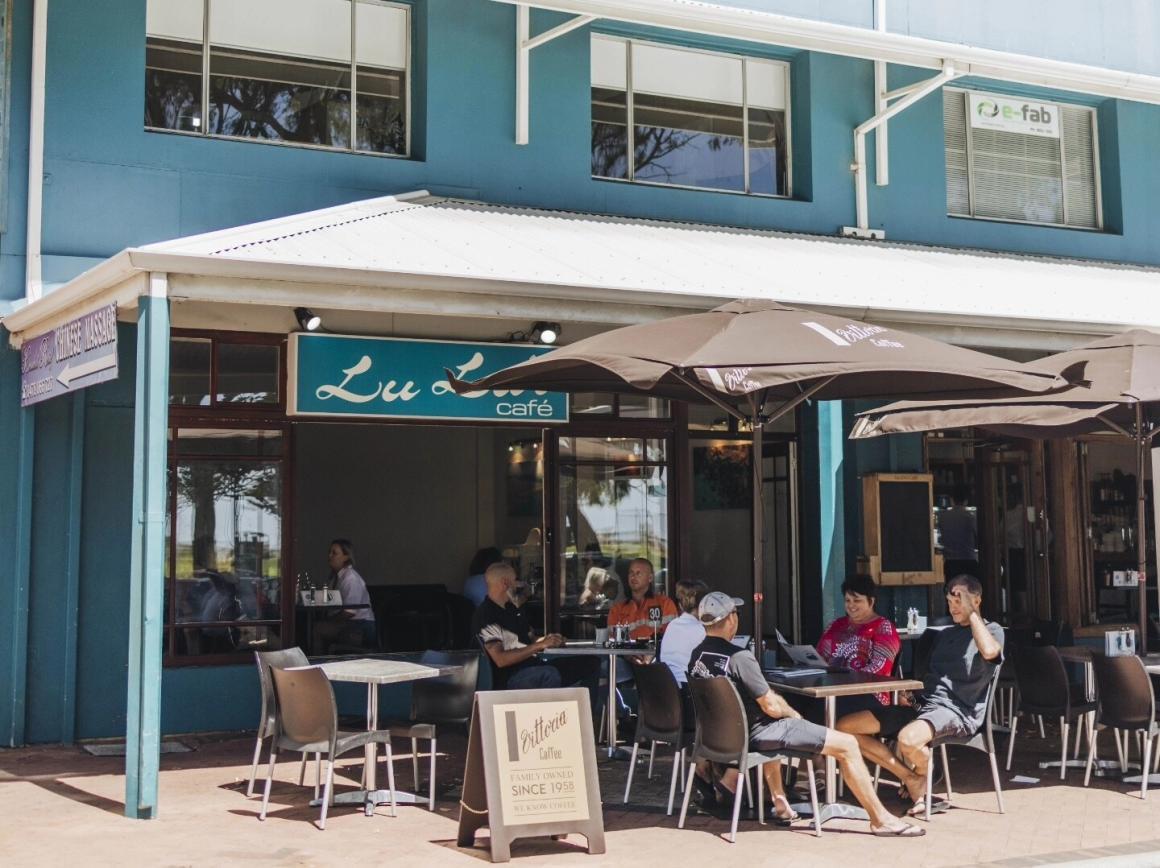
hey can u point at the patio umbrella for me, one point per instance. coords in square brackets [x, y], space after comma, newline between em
[1119, 392]
[758, 360]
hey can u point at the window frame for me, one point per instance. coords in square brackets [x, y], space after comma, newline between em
[631, 127]
[1096, 171]
[222, 410]
[408, 67]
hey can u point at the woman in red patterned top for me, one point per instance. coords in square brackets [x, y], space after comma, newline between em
[863, 640]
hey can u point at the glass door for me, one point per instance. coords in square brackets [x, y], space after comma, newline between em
[611, 506]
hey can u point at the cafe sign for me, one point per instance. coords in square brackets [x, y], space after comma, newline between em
[80, 353]
[400, 378]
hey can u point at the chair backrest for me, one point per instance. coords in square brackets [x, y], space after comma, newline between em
[1042, 679]
[722, 734]
[447, 699]
[659, 714]
[283, 658]
[986, 732]
[307, 712]
[923, 646]
[1124, 691]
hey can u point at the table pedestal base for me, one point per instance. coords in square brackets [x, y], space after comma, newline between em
[1135, 779]
[836, 811]
[369, 799]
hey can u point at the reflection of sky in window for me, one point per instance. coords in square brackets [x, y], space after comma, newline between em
[632, 523]
[700, 160]
[251, 523]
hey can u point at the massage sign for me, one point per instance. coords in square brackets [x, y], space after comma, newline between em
[79, 353]
[531, 769]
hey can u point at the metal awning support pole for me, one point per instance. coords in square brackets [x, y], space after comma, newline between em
[1141, 543]
[147, 559]
[755, 455]
[858, 167]
[525, 42]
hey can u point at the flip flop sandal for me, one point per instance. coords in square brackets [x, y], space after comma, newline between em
[907, 831]
[938, 806]
[784, 819]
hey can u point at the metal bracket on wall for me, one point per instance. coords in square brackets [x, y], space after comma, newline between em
[525, 42]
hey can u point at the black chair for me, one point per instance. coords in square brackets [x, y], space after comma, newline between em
[1125, 702]
[1045, 690]
[660, 718]
[983, 740]
[722, 736]
[308, 723]
[435, 702]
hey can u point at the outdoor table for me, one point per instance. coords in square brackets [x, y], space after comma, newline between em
[591, 649]
[374, 672]
[828, 686]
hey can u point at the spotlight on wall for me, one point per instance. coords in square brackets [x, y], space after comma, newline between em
[308, 320]
[546, 332]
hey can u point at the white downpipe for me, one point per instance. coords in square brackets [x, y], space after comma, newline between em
[859, 167]
[881, 138]
[33, 282]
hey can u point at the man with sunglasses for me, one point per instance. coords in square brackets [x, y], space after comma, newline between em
[954, 697]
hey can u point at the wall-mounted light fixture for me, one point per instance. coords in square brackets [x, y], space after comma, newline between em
[308, 320]
[545, 332]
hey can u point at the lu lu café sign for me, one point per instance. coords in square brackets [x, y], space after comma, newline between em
[400, 378]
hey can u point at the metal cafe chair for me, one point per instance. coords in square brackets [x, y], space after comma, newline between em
[660, 718]
[435, 702]
[1045, 690]
[983, 740]
[268, 722]
[722, 736]
[1127, 704]
[308, 723]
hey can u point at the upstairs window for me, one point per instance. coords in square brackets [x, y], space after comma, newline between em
[1021, 160]
[689, 118]
[281, 71]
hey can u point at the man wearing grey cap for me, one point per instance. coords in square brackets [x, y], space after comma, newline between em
[774, 725]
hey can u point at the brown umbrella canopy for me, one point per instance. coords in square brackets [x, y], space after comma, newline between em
[1117, 390]
[751, 348]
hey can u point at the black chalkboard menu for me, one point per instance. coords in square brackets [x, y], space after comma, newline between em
[898, 520]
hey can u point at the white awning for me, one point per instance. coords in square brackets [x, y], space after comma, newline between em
[733, 22]
[397, 251]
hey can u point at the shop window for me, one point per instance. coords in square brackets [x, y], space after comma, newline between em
[609, 405]
[689, 118]
[208, 372]
[281, 71]
[613, 506]
[706, 418]
[1021, 160]
[224, 582]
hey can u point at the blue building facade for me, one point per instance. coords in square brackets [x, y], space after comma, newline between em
[109, 183]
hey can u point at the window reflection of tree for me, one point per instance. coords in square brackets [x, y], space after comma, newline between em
[287, 112]
[203, 485]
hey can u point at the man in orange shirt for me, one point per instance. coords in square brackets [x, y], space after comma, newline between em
[645, 605]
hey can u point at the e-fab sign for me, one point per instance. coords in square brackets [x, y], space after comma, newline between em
[1029, 117]
[78, 354]
[531, 769]
[398, 378]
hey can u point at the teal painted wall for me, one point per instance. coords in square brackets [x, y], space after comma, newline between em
[110, 184]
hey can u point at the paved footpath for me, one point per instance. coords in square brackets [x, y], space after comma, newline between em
[61, 806]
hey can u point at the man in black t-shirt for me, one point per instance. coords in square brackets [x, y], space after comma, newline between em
[774, 725]
[506, 637]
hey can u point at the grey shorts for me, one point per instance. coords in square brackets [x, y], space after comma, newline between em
[788, 733]
[943, 721]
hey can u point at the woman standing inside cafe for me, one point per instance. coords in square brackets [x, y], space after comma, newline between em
[645, 607]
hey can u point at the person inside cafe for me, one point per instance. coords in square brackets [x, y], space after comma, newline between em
[643, 603]
[354, 623]
[958, 533]
[506, 636]
[954, 696]
[861, 641]
[685, 633]
[475, 585]
[775, 725]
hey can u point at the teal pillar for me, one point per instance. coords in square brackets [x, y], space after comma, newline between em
[70, 605]
[143, 707]
[831, 470]
[21, 559]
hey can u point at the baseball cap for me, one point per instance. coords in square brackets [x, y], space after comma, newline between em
[716, 606]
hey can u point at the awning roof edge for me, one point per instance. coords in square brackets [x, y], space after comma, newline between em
[842, 39]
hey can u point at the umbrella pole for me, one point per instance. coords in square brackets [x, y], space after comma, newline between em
[758, 532]
[1141, 543]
